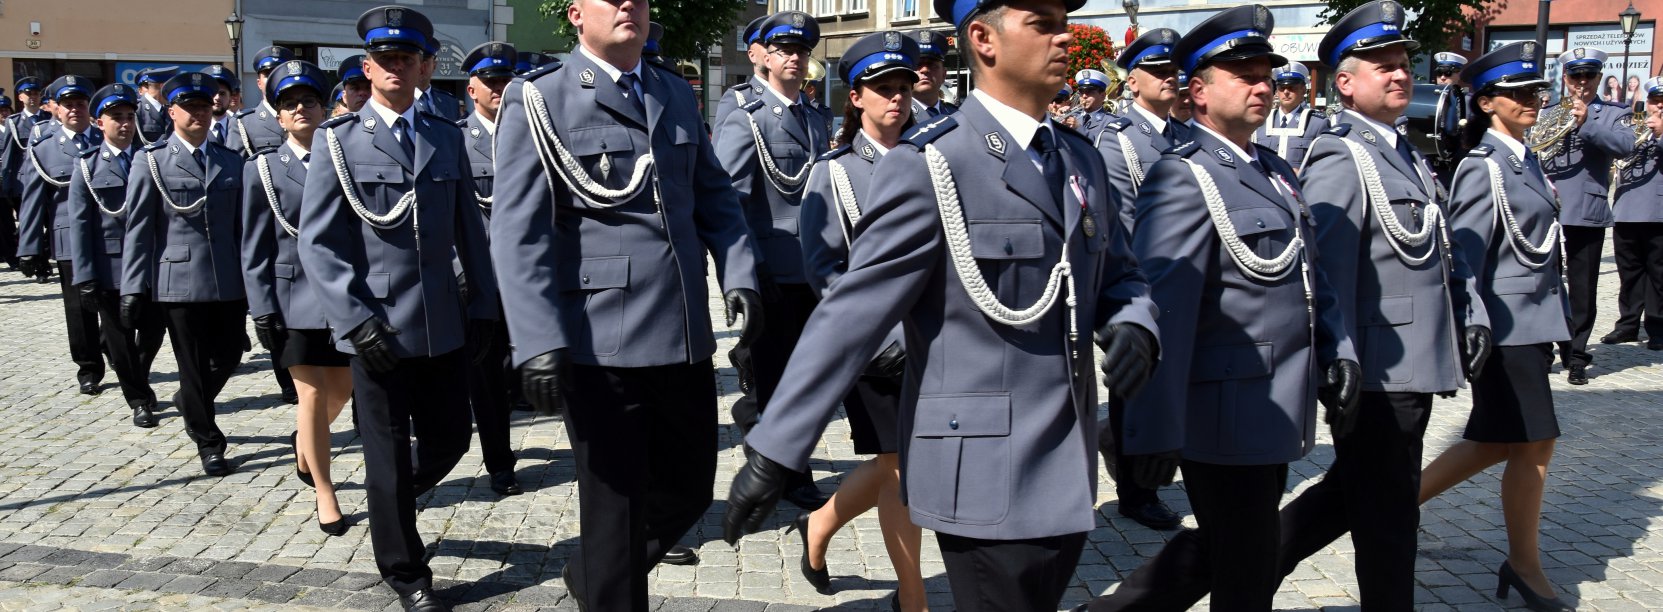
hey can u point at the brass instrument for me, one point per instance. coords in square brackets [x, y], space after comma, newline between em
[815, 70]
[1642, 138]
[1547, 137]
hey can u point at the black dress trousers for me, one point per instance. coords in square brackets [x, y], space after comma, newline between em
[1003, 575]
[207, 341]
[424, 398]
[786, 308]
[131, 351]
[1639, 252]
[1583, 248]
[81, 320]
[645, 444]
[1373, 491]
[488, 385]
[1126, 490]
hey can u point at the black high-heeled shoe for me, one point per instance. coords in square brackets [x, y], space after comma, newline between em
[336, 527]
[1507, 578]
[294, 445]
[819, 578]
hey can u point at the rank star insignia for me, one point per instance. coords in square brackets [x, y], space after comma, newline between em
[605, 166]
[1224, 155]
[995, 143]
[587, 76]
[1369, 136]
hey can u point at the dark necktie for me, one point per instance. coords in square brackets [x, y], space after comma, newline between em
[797, 112]
[306, 160]
[219, 133]
[1166, 132]
[401, 131]
[124, 161]
[81, 141]
[1407, 153]
[1533, 164]
[201, 158]
[629, 83]
[934, 112]
[1284, 121]
[427, 102]
[1050, 163]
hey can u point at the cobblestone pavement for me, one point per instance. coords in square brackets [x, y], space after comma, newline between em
[96, 514]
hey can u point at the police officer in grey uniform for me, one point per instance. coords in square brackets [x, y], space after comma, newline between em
[490, 66]
[8, 209]
[355, 88]
[97, 204]
[973, 237]
[229, 88]
[255, 129]
[429, 99]
[768, 146]
[1293, 124]
[182, 257]
[928, 100]
[154, 123]
[1092, 86]
[601, 256]
[1446, 67]
[743, 93]
[381, 251]
[1638, 237]
[43, 219]
[1579, 167]
[14, 131]
[1250, 329]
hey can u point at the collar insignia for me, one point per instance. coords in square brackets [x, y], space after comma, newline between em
[1224, 155]
[1514, 160]
[778, 110]
[996, 144]
[475, 132]
[1146, 128]
[283, 158]
[369, 124]
[867, 151]
[1369, 136]
[106, 154]
[587, 76]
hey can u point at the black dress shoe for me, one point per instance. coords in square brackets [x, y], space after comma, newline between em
[571, 588]
[290, 396]
[1577, 375]
[143, 415]
[680, 555]
[216, 465]
[1507, 578]
[295, 446]
[807, 497]
[819, 578]
[424, 600]
[1154, 515]
[1654, 344]
[336, 527]
[504, 483]
[1619, 338]
[90, 388]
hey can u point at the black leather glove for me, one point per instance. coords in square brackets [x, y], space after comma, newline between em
[891, 362]
[26, 265]
[740, 357]
[1155, 470]
[1128, 357]
[482, 337]
[132, 310]
[89, 293]
[36, 266]
[751, 499]
[374, 343]
[269, 329]
[540, 380]
[1476, 350]
[1338, 393]
[745, 302]
[463, 290]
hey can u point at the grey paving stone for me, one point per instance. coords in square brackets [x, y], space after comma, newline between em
[311, 577]
[275, 593]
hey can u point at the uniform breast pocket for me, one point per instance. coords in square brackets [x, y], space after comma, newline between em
[376, 180]
[482, 170]
[1008, 254]
[789, 157]
[600, 149]
[960, 457]
[1265, 230]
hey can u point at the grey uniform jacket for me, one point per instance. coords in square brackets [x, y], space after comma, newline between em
[1640, 189]
[620, 286]
[735, 97]
[827, 230]
[253, 130]
[95, 235]
[403, 278]
[1090, 123]
[153, 123]
[16, 131]
[921, 113]
[1405, 318]
[481, 147]
[1526, 303]
[174, 256]
[1241, 356]
[999, 421]
[1581, 172]
[1147, 145]
[277, 282]
[772, 209]
[445, 105]
[1290, 143]
[44, 173]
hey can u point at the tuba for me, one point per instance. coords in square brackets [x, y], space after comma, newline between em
[1547, 137]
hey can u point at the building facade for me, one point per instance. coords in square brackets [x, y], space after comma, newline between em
[1585, 23]
[108, 40]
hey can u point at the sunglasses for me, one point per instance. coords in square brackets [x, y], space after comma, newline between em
[1527, 96]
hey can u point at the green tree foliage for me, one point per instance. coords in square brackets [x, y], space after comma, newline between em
[690, 26]
[1437, 24]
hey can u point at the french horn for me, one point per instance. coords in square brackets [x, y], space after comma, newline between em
[1547, 137]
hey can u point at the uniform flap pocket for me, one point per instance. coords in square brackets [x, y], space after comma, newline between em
[283, 270]
[1006, 239]
[1594, 189]
[1250, 221]
[1388, 311]
[365, 172]
[108, 180]
[963, 415]
[176, 253]
[599, 139]
[1514, 284]
[112, 246]
[379, 283]
[482, 170]
[1232, 362]
[441, 171]
[182, 183]
[603, 273]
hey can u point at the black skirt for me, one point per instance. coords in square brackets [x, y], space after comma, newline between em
[873, 407]
[311, 347]
[1512, 400]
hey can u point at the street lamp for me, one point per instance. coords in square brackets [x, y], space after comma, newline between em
[234, 31]
[1629, 19]
[1131, 7]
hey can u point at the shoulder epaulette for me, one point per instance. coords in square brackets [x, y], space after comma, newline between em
[243, 113]
[264, 150]
[39, 134]
[923, 134]
[542, 70]
[1482, 150]
[441, 119]
[1117, 123]
[1264, 150]
[1184, 149]
[90, 152]
[156, 144]
[834, 153]
[1338, 129]
[753, 105]
[214, 145]
[339, 120]
[461, 123]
